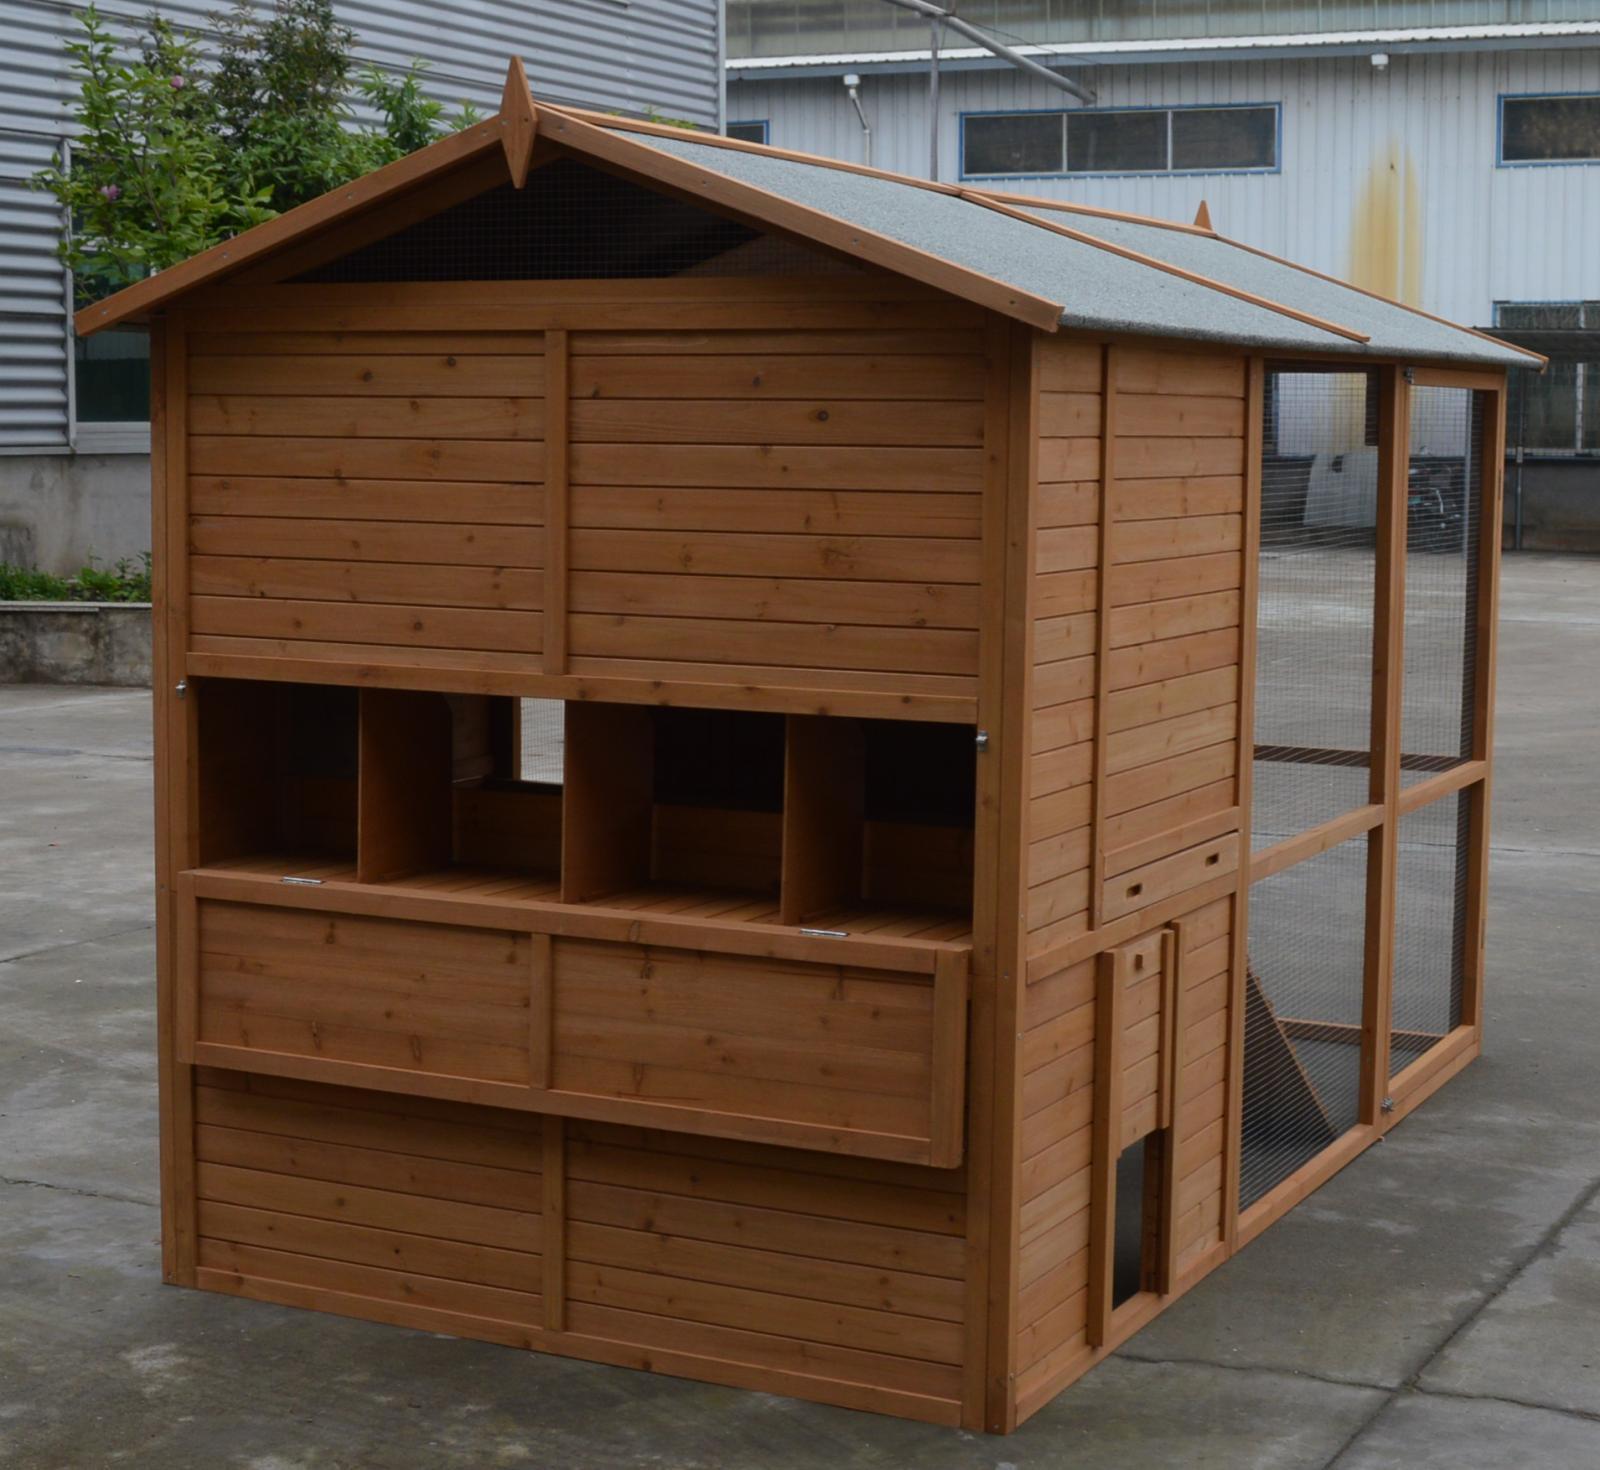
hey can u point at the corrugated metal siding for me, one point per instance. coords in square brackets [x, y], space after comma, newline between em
[1387, 178]
[33, 303]
[635, 56]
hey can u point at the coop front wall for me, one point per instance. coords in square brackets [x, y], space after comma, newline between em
[1139, 647]
[559, 1124]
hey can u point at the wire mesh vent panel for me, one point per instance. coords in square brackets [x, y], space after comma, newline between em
[1443, 514]
[570, 222]
[1430, 927]
[1303, 1001]
[543, 740]
[1313, 699]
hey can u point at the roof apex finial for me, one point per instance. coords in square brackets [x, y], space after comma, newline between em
[519, 122]
[1202, 217]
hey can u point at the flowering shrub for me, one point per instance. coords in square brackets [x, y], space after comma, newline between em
[177, 152]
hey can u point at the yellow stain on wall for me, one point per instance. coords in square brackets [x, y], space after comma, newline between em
[1386, 227]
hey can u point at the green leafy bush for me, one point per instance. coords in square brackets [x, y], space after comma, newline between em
[125, 581]
[177, 152]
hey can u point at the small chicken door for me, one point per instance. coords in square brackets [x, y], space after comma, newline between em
[1132, 1242]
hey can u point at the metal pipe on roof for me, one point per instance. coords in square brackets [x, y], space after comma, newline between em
[933, 100]
[1004, 52]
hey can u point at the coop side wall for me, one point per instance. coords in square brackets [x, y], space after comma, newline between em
[1133, 827]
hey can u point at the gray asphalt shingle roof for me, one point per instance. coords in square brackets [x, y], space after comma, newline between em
[1098, 289]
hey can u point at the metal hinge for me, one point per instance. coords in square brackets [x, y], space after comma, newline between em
[1388, 1104]
[981, 740]
[181, 688]
[303, 882]
[826, 933]
[1410, 374]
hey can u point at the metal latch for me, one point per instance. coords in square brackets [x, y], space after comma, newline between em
[981, 740]
[826, 933]
[303, 882]
[181, 688]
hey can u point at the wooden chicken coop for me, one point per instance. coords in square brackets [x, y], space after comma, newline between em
[790, 776]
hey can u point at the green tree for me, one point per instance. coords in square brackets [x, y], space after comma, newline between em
[176, 153]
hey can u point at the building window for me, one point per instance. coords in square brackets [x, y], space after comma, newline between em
[749, 132]
[1136, 140]
[1556, 412]
[1550, 129]
[112, 376]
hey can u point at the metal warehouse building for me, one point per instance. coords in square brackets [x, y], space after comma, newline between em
[1445, 154]
[74, 473]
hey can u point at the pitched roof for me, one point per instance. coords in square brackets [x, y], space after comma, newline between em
[1044, 263]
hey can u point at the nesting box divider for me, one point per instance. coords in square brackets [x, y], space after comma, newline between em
[824, 808]
[609, 779]
[404, 823]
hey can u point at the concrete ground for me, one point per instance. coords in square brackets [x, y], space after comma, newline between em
[1437, 1304]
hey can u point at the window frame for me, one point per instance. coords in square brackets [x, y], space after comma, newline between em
[1067, 113]
[1576, 453]
[1500, 159]
[764, 123]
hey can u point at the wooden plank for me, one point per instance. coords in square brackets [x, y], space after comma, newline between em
[398, 583]
[1168, 415]
[465, 502]
[430, 544]
[795, 512]
[867, 558]
[489, 629]
[832, 420]
[784, 371]
[793, 600]
[1162, 370]
[277, 415]
[515, 460]
[468, 370]
[776, 466]
[778, 644]
[1106, 553]
[1140, 887]
[1157, 540]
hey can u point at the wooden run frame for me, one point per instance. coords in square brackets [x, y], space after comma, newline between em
[1386, 1097]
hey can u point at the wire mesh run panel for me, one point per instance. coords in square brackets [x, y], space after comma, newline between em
[1444, 509]
[1319, 497]
[1304, 987]
[1430, 929]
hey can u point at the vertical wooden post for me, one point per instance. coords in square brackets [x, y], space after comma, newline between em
[1239, 915]
[1102, 633]
[175, 809]
[1388, 668]
[947, 1103]
[1174, 950]
[554, 1223]
[999, 958]
[557, 497]
[1486, 615]
[1106, 1142]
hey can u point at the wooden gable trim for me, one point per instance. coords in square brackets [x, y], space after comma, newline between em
[520, 122]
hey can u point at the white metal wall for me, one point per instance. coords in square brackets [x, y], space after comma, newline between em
[1387, 178]
[636, 56]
